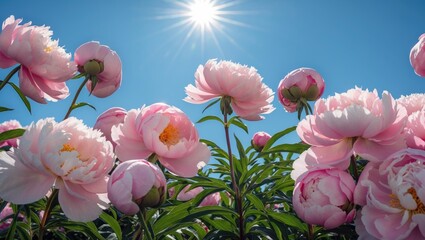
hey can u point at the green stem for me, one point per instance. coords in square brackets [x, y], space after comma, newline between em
[142, 218]
[238, 197]
[75, 98]
[49, 206]
[310, 232]
[353, 163]
[9, 76]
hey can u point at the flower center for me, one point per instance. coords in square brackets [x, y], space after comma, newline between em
[170, 135]
[67, 148]
[420, 207]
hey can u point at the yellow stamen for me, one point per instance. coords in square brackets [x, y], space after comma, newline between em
[170, 135]
[48, 49]
[420, 209]
[67, 148]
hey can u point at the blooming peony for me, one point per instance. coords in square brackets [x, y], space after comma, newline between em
[392, 196]
[69, 156]
[413, 102]
[6, 126]
[109, 118]
[259, 140]
[301, 83]
[414, 130]
[355, 122]
[324, 197]
[249, 96]
[165, 131]
[417, 56]
[102, 65]
[136, 183]
[45, 66]
[7, 212]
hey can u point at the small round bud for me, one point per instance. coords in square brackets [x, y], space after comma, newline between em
[93, 67]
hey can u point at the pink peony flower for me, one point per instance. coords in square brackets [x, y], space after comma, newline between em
[136, 183]
[413, 102]
[325, 197]
[165, 131]
[185, 194]
[417, 56]
[301, 83]
[109, 118]
[393, 195]
[68, 155]
[259, 140]
[7, 212]
[414, 130]
[6, 126]
[240, 85]
[356, 122]
[102, 65]
[45, 66]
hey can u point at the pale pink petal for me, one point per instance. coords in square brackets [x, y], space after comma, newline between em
[19, 184]
[376, 152]
[189, 165]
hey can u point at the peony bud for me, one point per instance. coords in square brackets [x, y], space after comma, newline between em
[259, 140]
[136, 184]
[417, 56]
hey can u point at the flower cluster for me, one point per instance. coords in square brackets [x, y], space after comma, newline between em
[360, 161]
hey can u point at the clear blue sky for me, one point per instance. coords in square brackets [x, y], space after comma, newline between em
[351, 43]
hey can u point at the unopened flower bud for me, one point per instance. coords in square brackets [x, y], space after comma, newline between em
[93, 67]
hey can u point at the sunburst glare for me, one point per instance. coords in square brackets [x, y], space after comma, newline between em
[203, 19]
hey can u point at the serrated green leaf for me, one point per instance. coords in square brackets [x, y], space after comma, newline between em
[211, 104]
[208, 118]
[22, 96]
[4, 109]
[9, 134]
[238, 123]
[113, 223]
[277, 136]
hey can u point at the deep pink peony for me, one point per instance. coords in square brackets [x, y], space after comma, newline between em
[6, 126]
[45, 66]
[67, 155]
[7, 212]
[415, 131]
[259, 140]
[355, 122]
[249, 96]
[325, 197]
[417, 56]
[108, 119]
[100, 62]
[165, 131]
[302, 83]
[185, 194]
[136, 183]
[392, 196]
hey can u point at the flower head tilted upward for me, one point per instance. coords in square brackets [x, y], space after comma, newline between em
[237, 85]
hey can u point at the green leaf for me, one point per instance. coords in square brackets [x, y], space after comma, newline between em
[288, 219]
[112, 223]
[94, 230]
[238, 123]
[277, 136]
[21, 95]
[82, 104]
[4, 109]
[291, 148]
[80, 75]
[9, 134]
[208, 118]
[258, 204]
[211, 104]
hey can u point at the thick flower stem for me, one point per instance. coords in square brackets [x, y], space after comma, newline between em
[9, 76]
[310, 232]
[49, 206]
[75, 98]
[142, 218]
[238, 197]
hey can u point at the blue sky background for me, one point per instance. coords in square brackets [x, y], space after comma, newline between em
[350, 43]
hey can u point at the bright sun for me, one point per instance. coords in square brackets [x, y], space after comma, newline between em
[203, 12]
